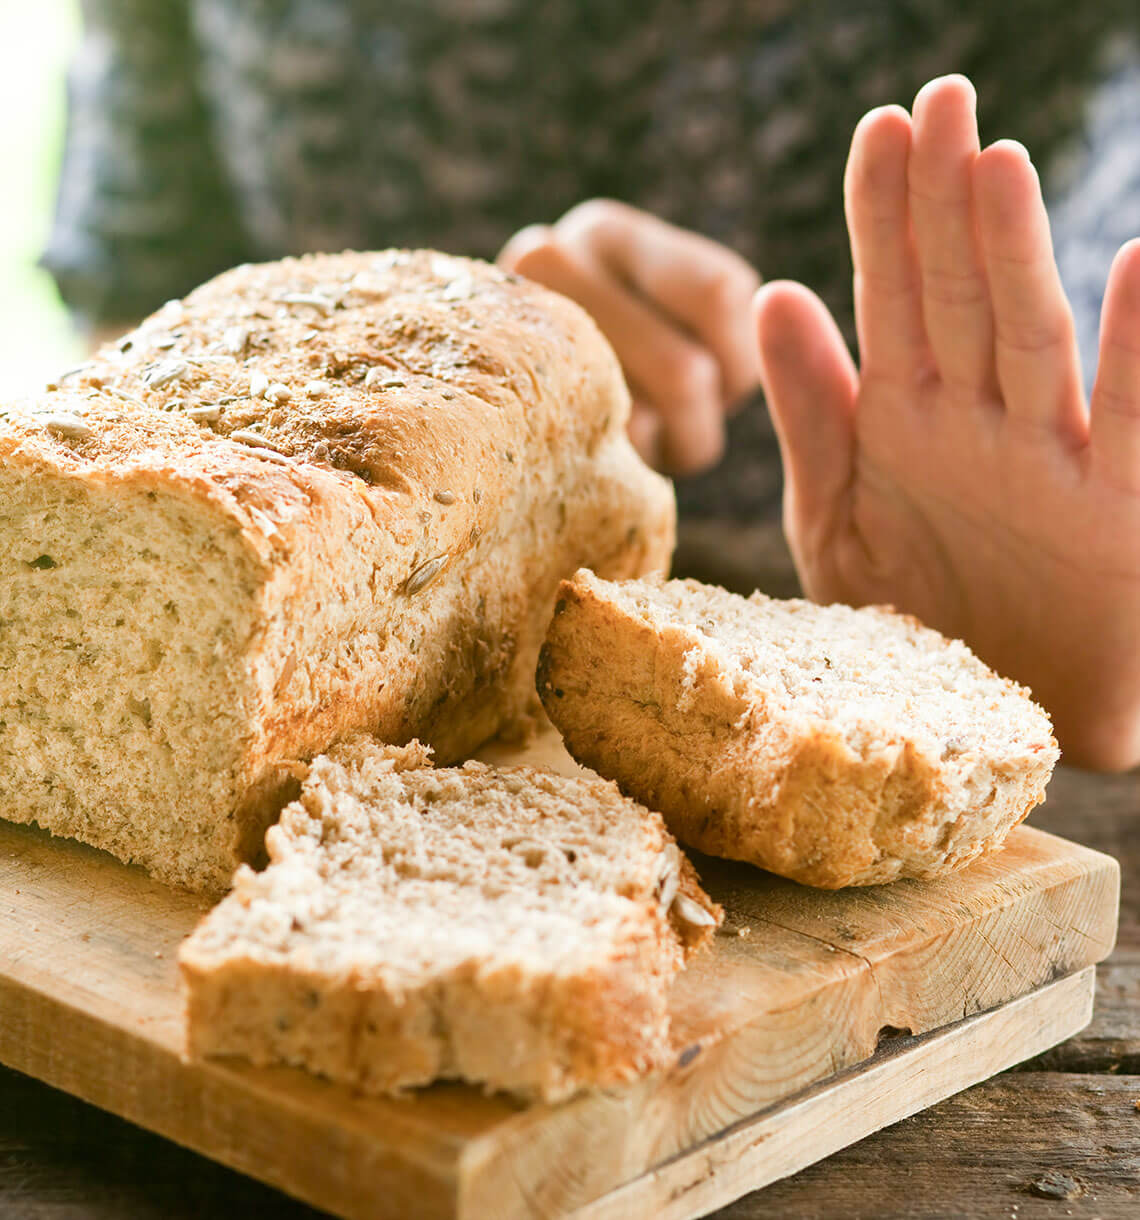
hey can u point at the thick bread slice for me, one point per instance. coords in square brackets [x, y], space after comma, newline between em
[513, 928]
[835, 746]
[323, 495]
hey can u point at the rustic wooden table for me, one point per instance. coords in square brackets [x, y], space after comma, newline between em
[1057, 1137]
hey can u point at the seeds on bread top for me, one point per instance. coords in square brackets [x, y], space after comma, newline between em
[394, 372]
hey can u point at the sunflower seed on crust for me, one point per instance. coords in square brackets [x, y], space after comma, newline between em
[692, 913]
[314, 299]
[234, 339]
[255, 440]
[70, 427]
[164, 373]
[380, 377]
[423, 576]
[669, 879]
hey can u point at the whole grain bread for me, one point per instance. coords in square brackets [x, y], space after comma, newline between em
[322, 495]
[514, 928]
[834, 746]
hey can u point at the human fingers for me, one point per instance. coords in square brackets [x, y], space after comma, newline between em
[888, 307]
[955, 296]
[810, 383]
[698, 283]
[1115, 408]
[1038, 367]
[666, 369]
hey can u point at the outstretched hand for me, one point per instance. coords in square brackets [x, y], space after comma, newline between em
[675, 306]
[957, 473]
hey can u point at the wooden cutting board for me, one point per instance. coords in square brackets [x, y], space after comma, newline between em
[807, 1027]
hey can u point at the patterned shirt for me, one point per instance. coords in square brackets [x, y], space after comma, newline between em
[204, 133]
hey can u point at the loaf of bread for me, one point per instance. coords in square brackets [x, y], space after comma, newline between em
[328, 494]
[517, 929]
[831, 745]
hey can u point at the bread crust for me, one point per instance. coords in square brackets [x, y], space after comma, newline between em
[737, 778]
[405, 450]
[591, 1012]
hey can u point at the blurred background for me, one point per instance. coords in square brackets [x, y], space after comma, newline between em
[204, 133]
[36, 335]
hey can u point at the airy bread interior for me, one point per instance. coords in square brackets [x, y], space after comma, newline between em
[123, 618]
[320, 496]
[834, 746]
[869, 674]
[514, 928]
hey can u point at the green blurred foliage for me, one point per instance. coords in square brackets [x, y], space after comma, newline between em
[36, 39]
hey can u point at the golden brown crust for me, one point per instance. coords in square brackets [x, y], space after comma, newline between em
[736, 779]
[412, 448]
[279, 972]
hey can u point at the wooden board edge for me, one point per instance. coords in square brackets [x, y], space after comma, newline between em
[126, 1078]
[845, 1109]
[218, 1111]
[505, 1171]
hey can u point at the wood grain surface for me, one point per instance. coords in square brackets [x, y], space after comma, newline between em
[1057, 1138]
[846, 1108]
[801, 985]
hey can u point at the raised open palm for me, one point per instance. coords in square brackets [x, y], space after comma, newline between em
[957, 474]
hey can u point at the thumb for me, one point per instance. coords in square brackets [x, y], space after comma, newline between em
[811, 383]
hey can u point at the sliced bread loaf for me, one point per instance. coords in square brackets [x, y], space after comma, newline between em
[831, 745]
[320, 496]
[513, 928]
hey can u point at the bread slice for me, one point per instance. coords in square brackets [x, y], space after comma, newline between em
[319, 496]
[831, 745]
[514, 928]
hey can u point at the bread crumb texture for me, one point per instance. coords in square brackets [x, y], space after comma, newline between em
[832, 745]
[318, 496]
[513, 928]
